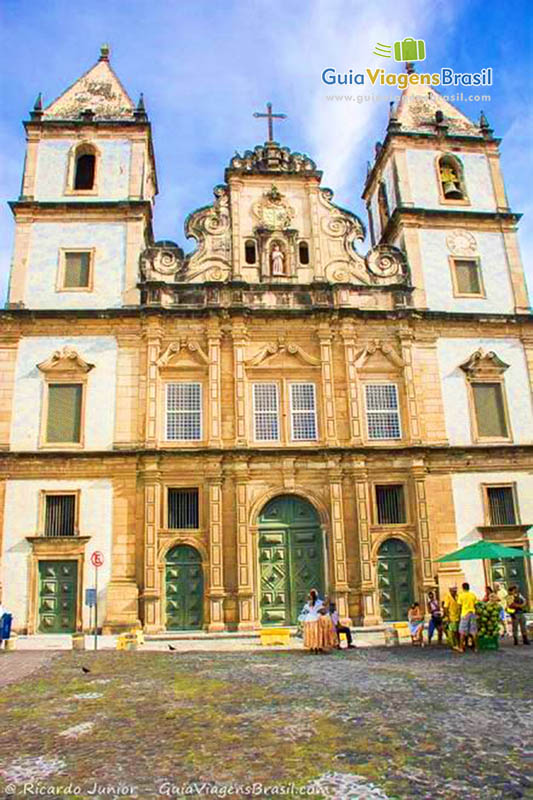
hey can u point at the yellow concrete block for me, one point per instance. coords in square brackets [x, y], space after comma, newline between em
[275, 636]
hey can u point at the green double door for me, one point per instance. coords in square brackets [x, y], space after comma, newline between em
[395, 579]
[58, 591]
[184, 589]
[290, 558]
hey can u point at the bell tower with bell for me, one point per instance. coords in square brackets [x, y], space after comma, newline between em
[435, 190]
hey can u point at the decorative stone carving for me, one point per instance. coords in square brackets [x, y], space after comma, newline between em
[270, 157]
[386, 264]
[461, 243]
[176, 347]
[211, 228]
[162, 260]
[379, 346]
[278, 348]
[484, 365]
[273, 211]
[65, 360]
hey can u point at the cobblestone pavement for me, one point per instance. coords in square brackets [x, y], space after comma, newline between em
[18, 665]
[388, 724]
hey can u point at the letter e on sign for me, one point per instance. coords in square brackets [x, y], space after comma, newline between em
[97, 558]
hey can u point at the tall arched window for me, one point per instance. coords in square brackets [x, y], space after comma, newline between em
[250, 253]
[84, 168]
[451, 178]
[303, 252]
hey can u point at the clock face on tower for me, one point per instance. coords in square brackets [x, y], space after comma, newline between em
[461, 243]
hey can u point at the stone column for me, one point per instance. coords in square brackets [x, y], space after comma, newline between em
[245, 551]
[216, 592]
[350, 352]
[239, 350]
[406, 342]
[122, 592]
[151, 594]
[214, 337]
[418, 472]
[338, 545]
[369, 596]
[328, 389]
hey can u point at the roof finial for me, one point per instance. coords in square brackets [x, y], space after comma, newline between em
[140, 111]
[484, 126]
[105, 50]
[37, 111]
[394, 123]
[409, 67]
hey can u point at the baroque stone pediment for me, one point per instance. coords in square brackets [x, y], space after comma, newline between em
[484, 365]
[379, 348]
[65, 360]
[183, 347]
[274, 350]
[210, 226]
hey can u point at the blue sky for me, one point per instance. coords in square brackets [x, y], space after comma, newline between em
[206, 66]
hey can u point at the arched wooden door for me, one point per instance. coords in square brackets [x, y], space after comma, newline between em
[184, 580]
[395, 579]
[290, 558]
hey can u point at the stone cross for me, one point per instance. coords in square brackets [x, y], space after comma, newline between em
[270, 116]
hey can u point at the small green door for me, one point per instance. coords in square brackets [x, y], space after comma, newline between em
[395, 579]
[58, 589]
[510, 571]
[290, 558]
[184, 589]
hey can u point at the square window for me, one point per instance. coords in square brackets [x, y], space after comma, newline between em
[467, 276]
[303, 412]
[60, 515]
[382, 411]
[490, 410]
[183, 508]
[64, 413]
[183, 412]
[390, 504]
[77, 270]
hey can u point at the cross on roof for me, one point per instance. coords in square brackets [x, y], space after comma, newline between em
[270, 116]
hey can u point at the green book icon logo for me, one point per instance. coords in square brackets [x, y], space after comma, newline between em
[410, 50]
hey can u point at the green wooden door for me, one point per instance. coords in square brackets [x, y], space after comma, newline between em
[58, 591]
[510, 571]
[395, 579]
[184, 589]
[290, 558]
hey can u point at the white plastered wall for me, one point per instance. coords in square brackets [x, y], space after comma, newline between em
[423, 180]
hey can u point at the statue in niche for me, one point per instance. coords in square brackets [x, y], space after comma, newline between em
[277, 260]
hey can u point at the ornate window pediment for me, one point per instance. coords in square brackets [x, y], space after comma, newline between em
[66, 360]
[484, 365]
[379, 348]
[271, 354]
[183, 353]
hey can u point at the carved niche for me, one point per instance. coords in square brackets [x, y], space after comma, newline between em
[274, 236]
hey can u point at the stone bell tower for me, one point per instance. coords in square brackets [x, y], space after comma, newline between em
[86, 201]
[436, 191]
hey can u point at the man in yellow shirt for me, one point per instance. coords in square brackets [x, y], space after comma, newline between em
[468, 621]
[452, 614]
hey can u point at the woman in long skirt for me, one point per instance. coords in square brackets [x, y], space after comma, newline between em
[328, 633]
[310, 616]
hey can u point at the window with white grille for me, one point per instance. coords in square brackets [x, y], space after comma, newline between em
[382, 411]
[303, 412]
[183, 412]
[266, 412]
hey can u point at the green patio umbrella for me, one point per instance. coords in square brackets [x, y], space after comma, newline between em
[484, 549]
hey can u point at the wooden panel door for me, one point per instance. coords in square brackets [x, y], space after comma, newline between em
[395, 580]
[58, 591]
[184, 589]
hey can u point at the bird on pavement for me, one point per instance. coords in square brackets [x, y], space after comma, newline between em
[170, 647]
[85, 670]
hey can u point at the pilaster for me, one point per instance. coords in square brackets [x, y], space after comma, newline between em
[419, 472]
[350, 353]
[328, 389]
[338, 545]
[245, 551]
[151, 591]
[239, 337]
[369, 598]
[406, 341]
[8, 363]
[216, 591]
[153, 349]
[127, 391]
[214, 336]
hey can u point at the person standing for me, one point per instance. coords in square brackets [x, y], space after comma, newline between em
[468, 620]
[310, 617]
[452, 615]
[501, 594]
[516, 605]
[334, 614]
[416, 624]
[435, 618]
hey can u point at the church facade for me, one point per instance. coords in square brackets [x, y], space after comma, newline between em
[280, 409]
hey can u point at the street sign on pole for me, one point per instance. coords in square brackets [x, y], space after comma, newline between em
[97, 560]
[90, 597]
